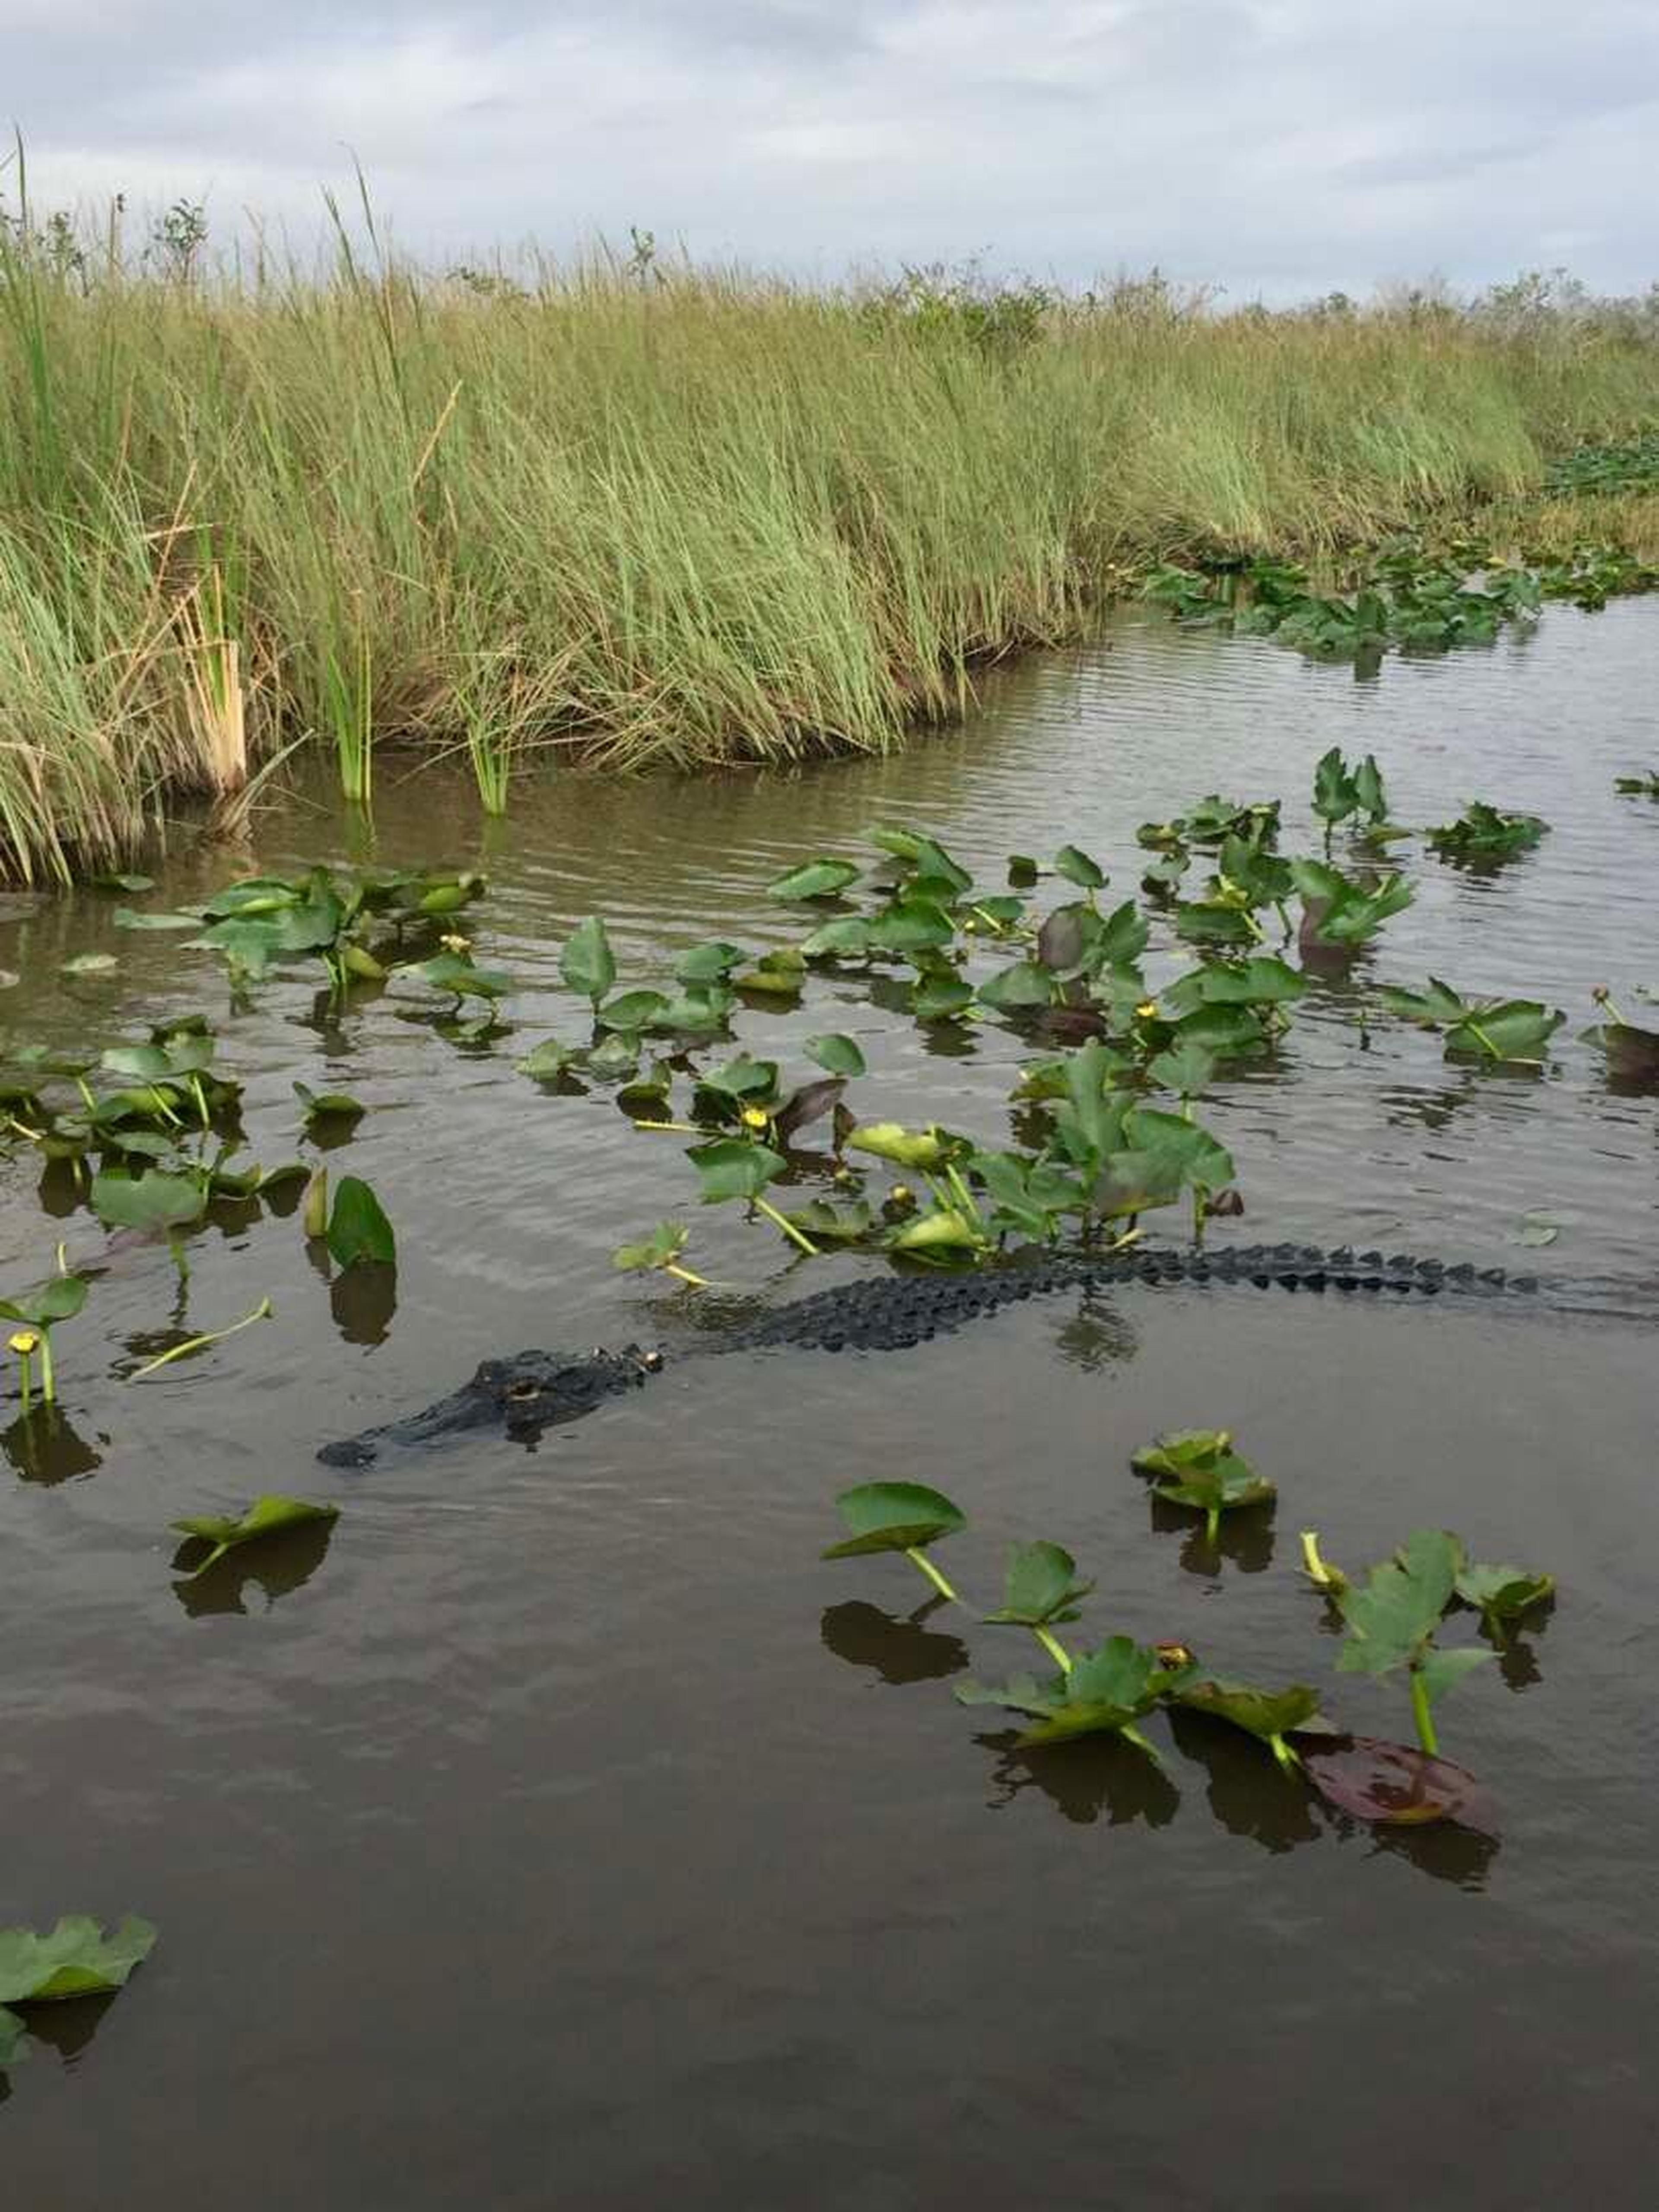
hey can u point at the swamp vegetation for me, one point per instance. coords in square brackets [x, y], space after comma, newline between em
[643, 515]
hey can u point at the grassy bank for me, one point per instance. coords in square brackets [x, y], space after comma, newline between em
[649, 520]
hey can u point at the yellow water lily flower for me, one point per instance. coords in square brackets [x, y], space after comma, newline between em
[23, 1341]
[755, 1118]
[452, 941]
[1146, 1011]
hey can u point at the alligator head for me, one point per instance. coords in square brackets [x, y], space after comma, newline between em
[522, 1395]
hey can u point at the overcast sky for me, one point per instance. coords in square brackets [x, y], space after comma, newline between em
[1272, 147]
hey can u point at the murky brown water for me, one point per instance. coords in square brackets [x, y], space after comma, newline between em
[565, 1833]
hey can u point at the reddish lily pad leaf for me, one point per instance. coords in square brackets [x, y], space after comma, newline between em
[1393, 1785]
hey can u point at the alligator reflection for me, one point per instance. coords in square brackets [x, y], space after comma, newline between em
[898, 1649]
[277, 1565]
[1245, 1537]
[44, 1446]
[1093, 1776]
[1097, 1335]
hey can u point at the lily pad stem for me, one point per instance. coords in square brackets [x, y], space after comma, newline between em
[678, 1128]
[1056, 1650]
[1131, 1734]
[685, 1275]
[23, 1376]
[1421, 1715]
[1481, 1038]
[1285, 1754]
[919, 1558]
[261, 1312]
[795, 1235]
[48, 1379]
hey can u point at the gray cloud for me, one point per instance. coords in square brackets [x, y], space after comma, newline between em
[1272, 146]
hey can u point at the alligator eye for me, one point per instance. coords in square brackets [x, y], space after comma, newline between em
[524, 1390]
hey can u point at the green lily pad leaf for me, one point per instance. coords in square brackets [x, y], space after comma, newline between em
[700, 1010]
[909, 926]
[632, 1011]
[666, 1242]
[1198, 1467]
[1439, 1671]
[125, 917]
[1434, 1008]
[1040, 1587]
[266, 1517]
[741, 1080]
[329, 1105]
[940, 996]
[1515, 1030]
[357, 1226]
[826, 1223]
[1211, 921]
[943, 1229]
[1023, 869]
[1484, 832]
[847, 938]
[1122, 937]
[730, 1168]
[1264, 980]
[1107, 1690]
[112, 882]
[550, 1059]
[839, 1054]
[1078, 868]
[814, 879]
[891, 1140]
[1021, 984]
[60, 1297]
[1268, 1714]
[1186, 1068]
[454, 972]
[1537, 1229]
[894, 1516]
[1392, 1615]
[89, 964]
[1335, 795]
[709, 964]
[153, 1201]
[434, 896]
[587, 964]
[616, 1055]
[1502, 1593]
[75, 1960]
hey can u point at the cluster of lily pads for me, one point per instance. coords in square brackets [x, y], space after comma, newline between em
[1407, 596]
[1390, 1622]
[1108, 1111]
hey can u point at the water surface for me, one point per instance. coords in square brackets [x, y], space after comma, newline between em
[564, 1830]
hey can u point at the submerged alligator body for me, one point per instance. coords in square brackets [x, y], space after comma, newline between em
[536, 1390]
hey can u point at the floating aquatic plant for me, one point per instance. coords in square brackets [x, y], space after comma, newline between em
[75, 1958]
[1103, 1692]
[1482, 832]
[37, 1313]
[659, 1251]
[1392, 1619]
[1198, 1467]
[266, 1517]
[898, 1516]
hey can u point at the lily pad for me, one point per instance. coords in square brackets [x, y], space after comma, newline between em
[587, 964]
[156, 1200]
[266, 1517]
[1040, 1587]
[839, 1054]
[1198, 1467]
[58, 1298]
[1393, 1785]
[1501, 1594]
[891, 1140]
[1270, 1714]
[1107, 1690]
[75, 1960]
[358, 1229]
[329, 1105]
[90, 964]
[814, 879]
[894, 1516]
[732, 1168]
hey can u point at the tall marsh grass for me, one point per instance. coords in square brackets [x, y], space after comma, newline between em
[643, 519]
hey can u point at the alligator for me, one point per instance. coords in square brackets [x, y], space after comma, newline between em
[533, 1391]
